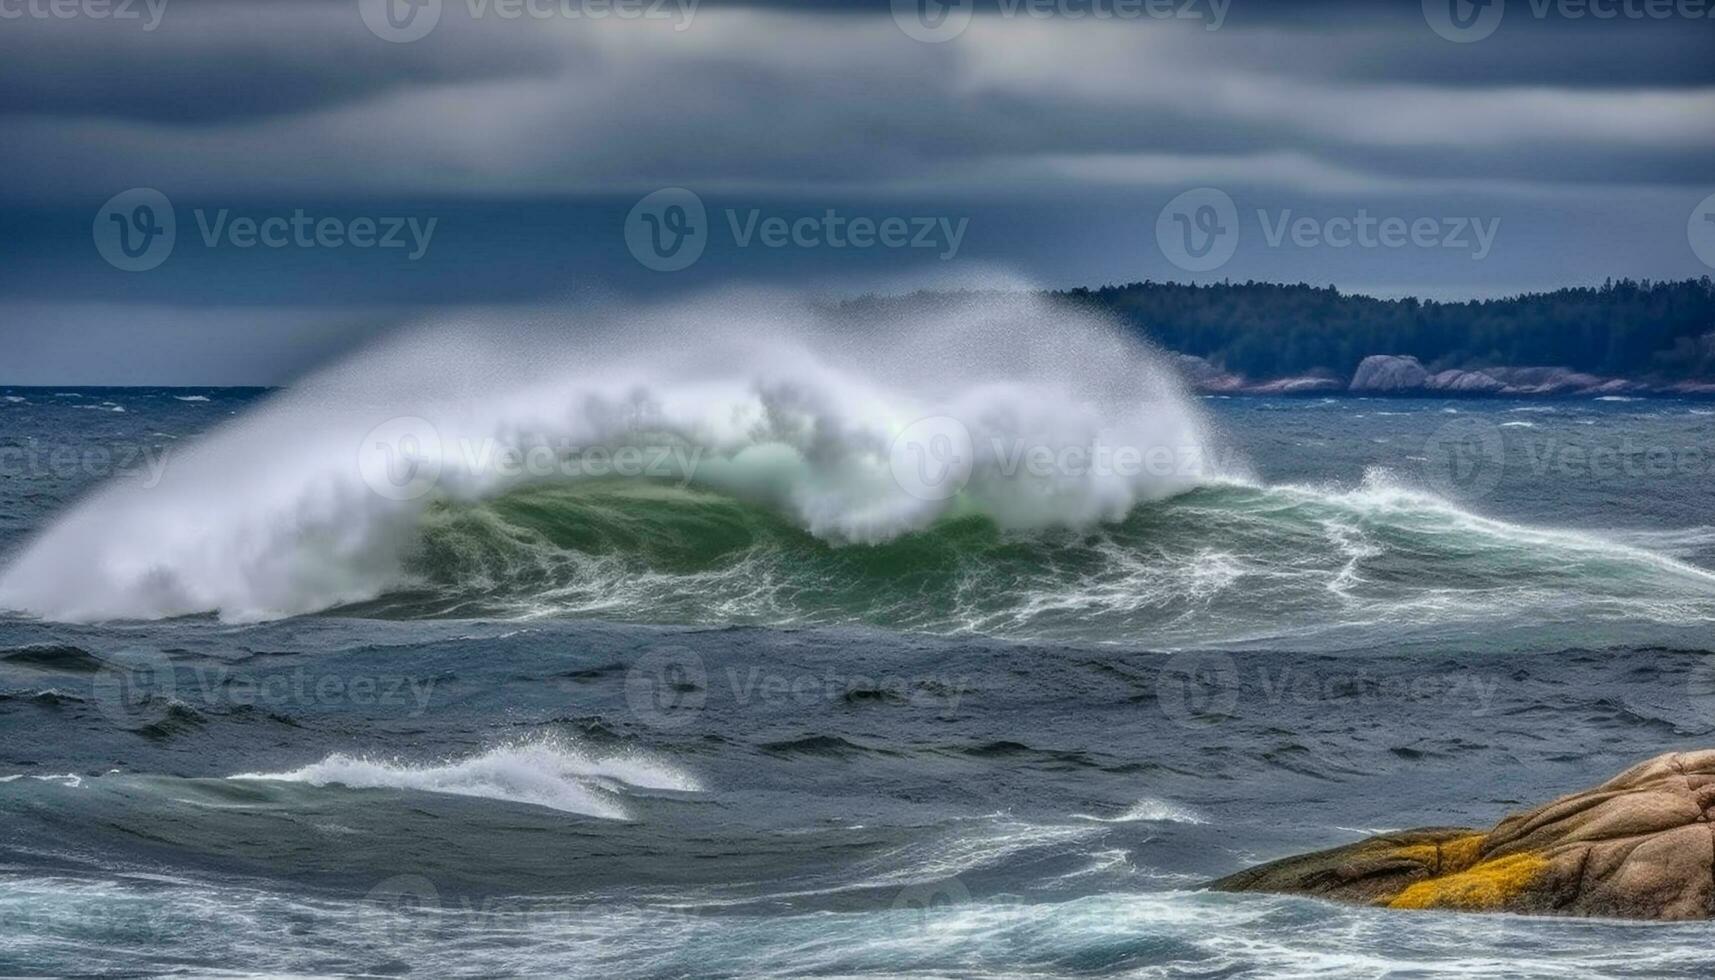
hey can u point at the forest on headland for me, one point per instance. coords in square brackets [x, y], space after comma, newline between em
[1623, 328]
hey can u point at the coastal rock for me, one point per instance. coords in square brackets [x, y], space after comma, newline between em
[1543, 380]
[1303, 385]
[1639, 846]
[1388, 372]
[1206, 377]
[1464, 383]
[1614, 387]
[1209, 379]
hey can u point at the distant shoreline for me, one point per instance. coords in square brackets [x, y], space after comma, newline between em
[1403, 376]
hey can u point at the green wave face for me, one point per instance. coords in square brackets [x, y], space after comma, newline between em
[1225, 564]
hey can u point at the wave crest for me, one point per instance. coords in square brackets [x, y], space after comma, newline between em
[795, 409]
[549, 773]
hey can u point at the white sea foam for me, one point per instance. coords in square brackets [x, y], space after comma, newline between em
[549, 773]
[190, 398]
[72, 780]
[1151, 811]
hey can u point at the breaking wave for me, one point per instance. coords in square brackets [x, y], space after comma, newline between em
[548, 773]
[991, 464]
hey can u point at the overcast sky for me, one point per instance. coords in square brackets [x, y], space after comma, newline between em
[508, 156]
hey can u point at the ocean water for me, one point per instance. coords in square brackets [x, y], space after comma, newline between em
[785, 712]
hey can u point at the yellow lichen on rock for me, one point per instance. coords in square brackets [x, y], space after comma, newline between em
[1460, 853]
[1488, 885]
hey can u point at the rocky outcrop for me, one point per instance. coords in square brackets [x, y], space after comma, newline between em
[1464, 383]
[1639, 846]
[1209, 379]
[1544, 380]
[1303, 385]
[1206, 377]
[1389, 373]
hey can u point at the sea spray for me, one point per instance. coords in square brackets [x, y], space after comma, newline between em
[317, 498]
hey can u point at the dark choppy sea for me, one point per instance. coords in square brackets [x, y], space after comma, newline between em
[651, 728]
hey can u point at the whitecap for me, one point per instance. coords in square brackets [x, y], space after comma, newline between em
[550, 773]
[1151, 811]
[69, 779]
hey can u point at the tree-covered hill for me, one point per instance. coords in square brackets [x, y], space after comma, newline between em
[1625, 328]
[1628, 328]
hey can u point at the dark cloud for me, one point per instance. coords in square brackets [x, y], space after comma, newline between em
[1058, 139]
